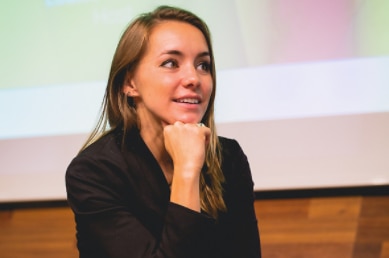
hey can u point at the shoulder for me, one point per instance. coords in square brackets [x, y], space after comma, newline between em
[102, 155]
[234, 160]
[230, 147]
[106, 145]
[95, 175]
[235, 165]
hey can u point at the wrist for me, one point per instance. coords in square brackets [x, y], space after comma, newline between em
[185, 190]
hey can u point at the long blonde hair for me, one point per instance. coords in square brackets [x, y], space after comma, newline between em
[118, 109]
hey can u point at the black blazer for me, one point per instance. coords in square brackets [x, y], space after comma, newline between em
[120, 199]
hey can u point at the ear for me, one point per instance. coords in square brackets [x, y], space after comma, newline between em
[129, 86]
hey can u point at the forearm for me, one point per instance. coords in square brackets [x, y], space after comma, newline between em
[122, 235]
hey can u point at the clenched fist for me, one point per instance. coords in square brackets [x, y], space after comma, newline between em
[186, 145]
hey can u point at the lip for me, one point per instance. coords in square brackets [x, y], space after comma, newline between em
[188, 99]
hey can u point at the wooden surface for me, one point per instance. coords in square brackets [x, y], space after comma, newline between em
[333, 227]
[42, 232]
[336, 227]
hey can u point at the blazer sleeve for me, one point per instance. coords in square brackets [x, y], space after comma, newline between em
[107, 225]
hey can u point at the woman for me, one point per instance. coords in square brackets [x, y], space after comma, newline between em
[154, 179]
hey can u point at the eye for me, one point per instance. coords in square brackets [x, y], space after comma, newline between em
[170, 63]
[204, 66]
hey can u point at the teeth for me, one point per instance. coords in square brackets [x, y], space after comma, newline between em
[191, 101]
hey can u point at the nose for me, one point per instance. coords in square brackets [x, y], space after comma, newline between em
[190, 77]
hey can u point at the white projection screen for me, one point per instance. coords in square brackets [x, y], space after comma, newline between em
[302, 85]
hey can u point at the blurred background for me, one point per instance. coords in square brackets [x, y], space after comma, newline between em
[302, 85]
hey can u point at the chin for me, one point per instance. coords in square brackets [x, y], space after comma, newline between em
[189, 120]
[187, 117]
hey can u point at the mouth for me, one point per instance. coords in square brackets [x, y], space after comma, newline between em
[188, 101]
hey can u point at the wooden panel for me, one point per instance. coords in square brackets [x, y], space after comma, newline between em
[336, 227]
[335, 208]
[385, 249]
[282, 209]
[321, 227]
[44, 232]
[317, 250]
[373, 229]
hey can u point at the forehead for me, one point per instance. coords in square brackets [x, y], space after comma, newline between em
[173, 34]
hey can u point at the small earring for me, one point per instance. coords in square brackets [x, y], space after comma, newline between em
[128, 94]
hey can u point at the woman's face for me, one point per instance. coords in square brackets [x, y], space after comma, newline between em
[172, 81]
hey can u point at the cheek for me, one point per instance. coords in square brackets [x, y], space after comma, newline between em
[209, 88]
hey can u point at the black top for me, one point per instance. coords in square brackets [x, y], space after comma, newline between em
[120, 198]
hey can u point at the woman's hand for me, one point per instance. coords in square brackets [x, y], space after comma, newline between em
[186, 145]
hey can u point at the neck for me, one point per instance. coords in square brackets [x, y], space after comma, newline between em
[153, 137]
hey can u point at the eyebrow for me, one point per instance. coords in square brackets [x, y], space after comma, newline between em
[179, 53]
